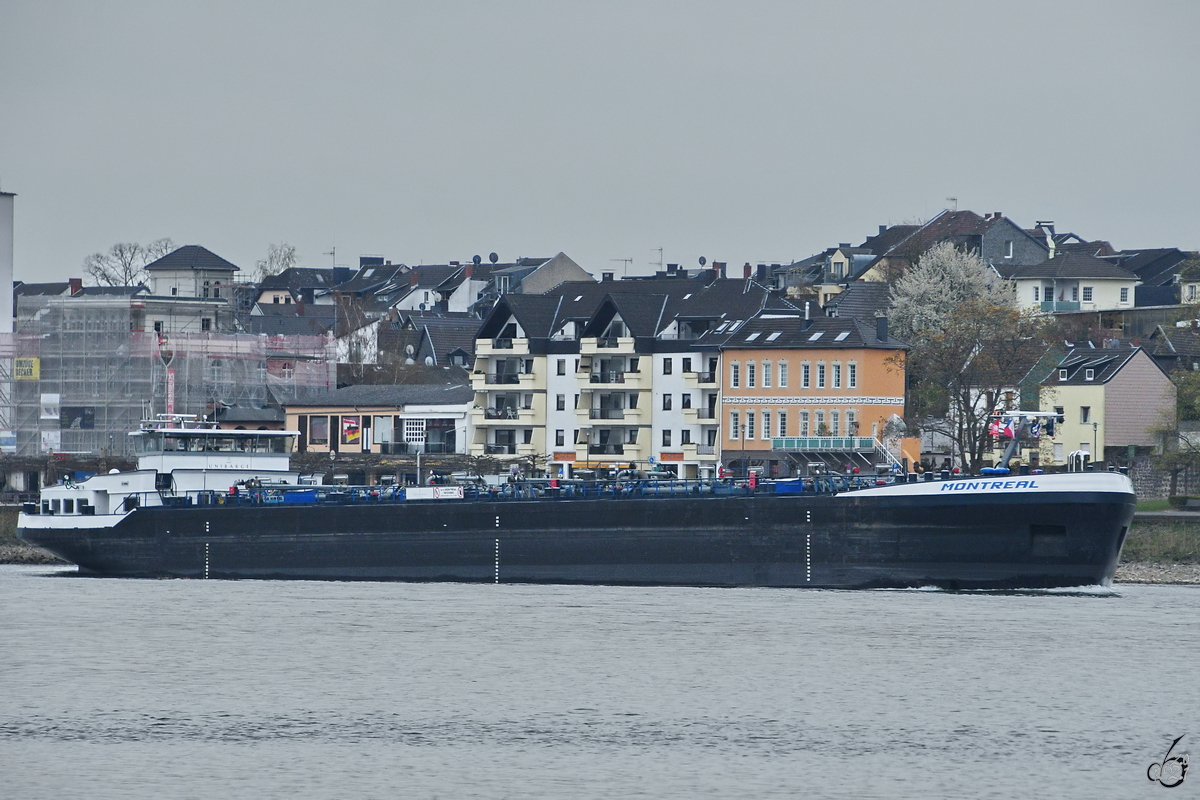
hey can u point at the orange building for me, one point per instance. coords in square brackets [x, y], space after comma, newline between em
[798, 392]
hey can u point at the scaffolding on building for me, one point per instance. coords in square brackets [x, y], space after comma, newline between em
[85, 373]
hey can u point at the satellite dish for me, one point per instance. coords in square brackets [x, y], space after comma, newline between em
[477, 260]
[429, 361]
[703, 261]
[408, 350]
[492, 257]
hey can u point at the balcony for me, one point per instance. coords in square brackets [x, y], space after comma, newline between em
[1059, 305]
[591, 417]
[501, 347]
[699, 452]
[412, 448]
[607, 377]
[502, 416]
[493, 378]
[626, 380]
[606, 449]
[696, 380]
[825, 444]
[606, 413]
[500, 449]
[607, 345]
[694, 416]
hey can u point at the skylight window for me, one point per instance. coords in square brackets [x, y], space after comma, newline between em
[721, 328]
[686, 296]
[842, 336]
[577, 299]
[774, 335]
[816, 336]
[752, 337]
[737, 323]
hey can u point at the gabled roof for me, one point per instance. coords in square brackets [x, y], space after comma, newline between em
[22, 289]
[881, 242]
[1147, 296]
[535, 313]
[446, 333]
[1072, 265]
[1180, 345]
[296, 278]
[642, 313]
[372, 277]
[790, 331]
[193, 257]
[946, 225]
[117, 291]
[1105, 362]
[1156, 267]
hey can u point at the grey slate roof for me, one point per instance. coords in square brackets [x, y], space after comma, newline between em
[794, 332]
[390, 395]
[446, 333]
[249, 414]
[22, 289]
[862, 300]
[1156, 267]
[191, 256]
[1073, 265]
[1106, 363]
[296, 278]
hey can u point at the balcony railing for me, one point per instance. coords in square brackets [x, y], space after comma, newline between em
[505, 412]
[706, 449]
[500, 449]
[606, 449]
[411, 448]
[1060, 305]
[608, 341]
[498, 377]
[502, 344]
[608, 377]
[606, 413]
[832, 444]
[706, 413]
[706, 377]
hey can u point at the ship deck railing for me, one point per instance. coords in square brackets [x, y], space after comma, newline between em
[542, 489]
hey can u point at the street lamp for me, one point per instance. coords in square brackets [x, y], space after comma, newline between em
[1095, 428]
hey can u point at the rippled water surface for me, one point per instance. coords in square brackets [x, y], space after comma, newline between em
[206, 689]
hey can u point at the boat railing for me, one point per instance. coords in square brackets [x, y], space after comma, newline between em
[532, 489]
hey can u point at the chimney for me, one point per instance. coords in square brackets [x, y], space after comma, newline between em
[1048, 227]
[672, 269]
[882, 229]
[721, 264]
[412, 278]
[996, 215]
[300, 307]
[763, 273]
[605, 277]
[76, 286]
[388, 262]
[468, 271]
[454, 263]
[746, 270]
[881, 331]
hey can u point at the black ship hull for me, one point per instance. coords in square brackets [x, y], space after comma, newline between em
[969, 540]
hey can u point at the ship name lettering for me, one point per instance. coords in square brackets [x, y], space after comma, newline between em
[969, 486]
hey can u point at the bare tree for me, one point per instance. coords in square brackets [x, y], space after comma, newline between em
[125, 262]
[280, 257]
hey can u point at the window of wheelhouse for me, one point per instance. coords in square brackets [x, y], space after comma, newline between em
[318, 430]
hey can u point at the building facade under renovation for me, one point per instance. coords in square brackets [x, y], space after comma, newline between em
[85, 371]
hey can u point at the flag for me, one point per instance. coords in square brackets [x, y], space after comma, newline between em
[1035, 430]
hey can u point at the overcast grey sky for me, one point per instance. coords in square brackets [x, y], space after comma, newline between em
[746, 131]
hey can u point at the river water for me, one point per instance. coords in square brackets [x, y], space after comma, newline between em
[205, 689]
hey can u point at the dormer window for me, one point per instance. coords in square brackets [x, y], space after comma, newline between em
[1089, 374]
[1062, 374]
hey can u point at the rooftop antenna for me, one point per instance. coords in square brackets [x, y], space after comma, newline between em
[658, 250]
[332, 252]
[953, 202]
[628, 262]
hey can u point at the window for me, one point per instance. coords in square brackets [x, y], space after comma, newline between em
[820, 374]
[1087, 294]
[318, 430]
[1085, 414]
[1008, 249]
[158, 326]
[562, 366]
[1062, 374]
[837, 375]
[1191, 293]
[1124, 294]
[1089, 374]
[560, 438]
[216, 291]
[749, 424]
[766, 374]
[685, 436]
[205, 324]
[804, 423]
[686, 365]
[835, 423]
[852, 375]
[560, 402]
[820, 418]
[783, 423]
[1037, 290]
[874, 430]
[766, 425]
[685, 400]
[666, 438]
[734, 425]
[576, 402]
[633, 399]
[666, 366]
[851, 422]
[175, 292]
[735, 376]
[751, 374]
[1074, 294]
[783, 375]
[805, 373]
[666, 402]
[206, 283]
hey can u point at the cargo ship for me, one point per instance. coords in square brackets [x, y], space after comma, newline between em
[209, 503]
